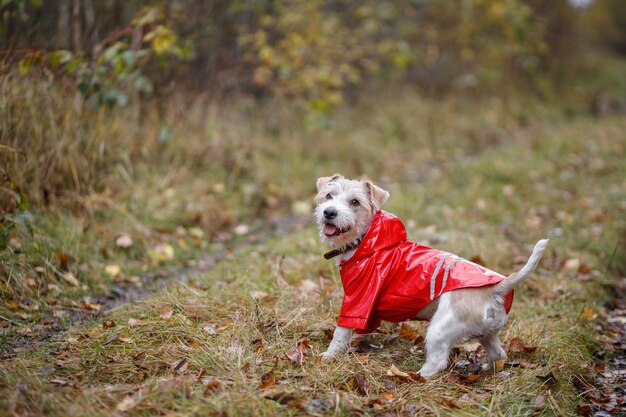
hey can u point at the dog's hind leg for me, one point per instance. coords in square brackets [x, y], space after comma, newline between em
[493, 347]
[444, 331]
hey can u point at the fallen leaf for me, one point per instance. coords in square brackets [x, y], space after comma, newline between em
[584, 410]
[522, 364]
[124, 339]
[571, 264]
[268, 380]
[162, 252]
[241, 230]
[258, 295]
[540, 400]
[133, 322]
[472, 378]
[107, 324]
[90, 306]
[210, 329]
[548, 378]
[60, 381]
[358, 383]
[516, 345]
[126, 404]
[587, 313]
[448, 403]
[407, 332]
[70, 278]
[307, 286]
[363, 359]
[409, 376]
[300, 352]
[499, 365]
[113, 270]
[124, 241]
[211, 385]
[166, 312]
[64, 261]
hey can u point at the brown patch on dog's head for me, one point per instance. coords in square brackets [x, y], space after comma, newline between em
[378, 196]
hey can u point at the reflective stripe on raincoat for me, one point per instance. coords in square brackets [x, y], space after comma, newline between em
[389, 278]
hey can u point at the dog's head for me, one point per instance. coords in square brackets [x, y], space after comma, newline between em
[345, 208]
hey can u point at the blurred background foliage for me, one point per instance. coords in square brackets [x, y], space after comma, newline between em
[319, 51]
[142, 117]
[89, 88]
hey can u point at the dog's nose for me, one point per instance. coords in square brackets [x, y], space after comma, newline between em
[330, 213]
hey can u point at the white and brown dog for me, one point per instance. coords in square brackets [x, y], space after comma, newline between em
[386, 277]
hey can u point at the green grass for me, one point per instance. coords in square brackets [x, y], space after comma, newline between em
[480, 178]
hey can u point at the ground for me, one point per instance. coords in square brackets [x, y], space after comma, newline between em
[228, 320]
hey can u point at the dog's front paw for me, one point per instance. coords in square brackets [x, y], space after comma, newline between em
[328, 355]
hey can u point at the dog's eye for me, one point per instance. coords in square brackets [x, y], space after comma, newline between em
[355, 202]
[329, 196]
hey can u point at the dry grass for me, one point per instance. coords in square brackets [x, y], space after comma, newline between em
[480, 179]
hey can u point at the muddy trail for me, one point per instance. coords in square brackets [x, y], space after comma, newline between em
[51, 327]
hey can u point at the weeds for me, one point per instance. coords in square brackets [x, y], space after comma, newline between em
[242, 339]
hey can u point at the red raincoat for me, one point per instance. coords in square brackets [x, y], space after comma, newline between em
[389, 278]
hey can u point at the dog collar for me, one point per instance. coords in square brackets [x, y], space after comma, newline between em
[336, 252]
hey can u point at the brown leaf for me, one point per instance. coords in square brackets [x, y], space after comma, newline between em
[407, 376]
[363, 359]
[358, 383]
[407, 332]
[549, 378]
[166, 312]
[499, 365]
[90, 306]
[211, 385]
[300, 352]
[472, 378]
[448, 403]
[107, 324]
[587, 313]
[258, 345]
[64, 261]
[516, 345]
[268, 379]
[522, 364]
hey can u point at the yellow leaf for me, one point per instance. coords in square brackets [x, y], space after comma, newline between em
[166, 312]
[499, 365]
[161, 253]
[113, 270]
[587, 313]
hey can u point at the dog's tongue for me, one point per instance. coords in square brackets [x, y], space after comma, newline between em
[329, 229]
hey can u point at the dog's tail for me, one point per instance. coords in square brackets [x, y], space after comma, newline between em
[516, 278]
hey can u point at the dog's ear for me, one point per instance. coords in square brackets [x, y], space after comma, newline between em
[377, 195]
[322, 181]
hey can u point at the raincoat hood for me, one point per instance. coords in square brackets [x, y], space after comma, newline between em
[390, 278]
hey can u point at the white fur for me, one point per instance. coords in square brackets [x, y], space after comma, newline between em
[454, 316]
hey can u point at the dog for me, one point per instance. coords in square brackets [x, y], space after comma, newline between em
[386, 277]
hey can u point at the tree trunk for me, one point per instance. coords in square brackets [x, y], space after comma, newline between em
[76, 26]
[90, 22]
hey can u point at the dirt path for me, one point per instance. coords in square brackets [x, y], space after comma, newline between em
[51, 327]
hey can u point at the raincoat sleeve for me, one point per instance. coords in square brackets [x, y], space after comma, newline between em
[362, 282]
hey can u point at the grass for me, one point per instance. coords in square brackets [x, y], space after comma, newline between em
[483, 178]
